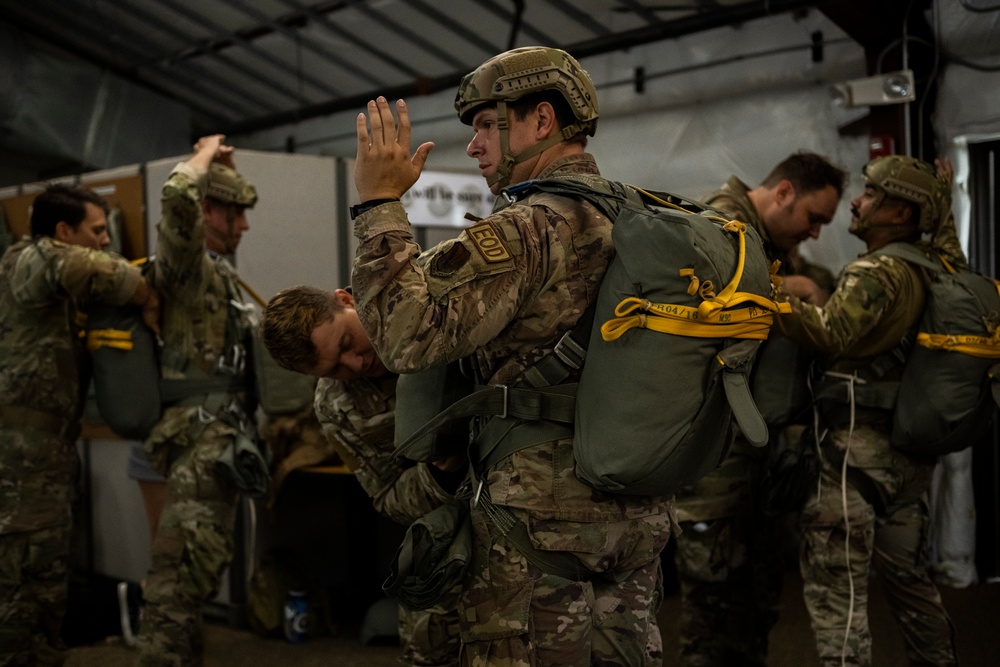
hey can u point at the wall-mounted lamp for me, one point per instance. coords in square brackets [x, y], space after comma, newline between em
[891, 88]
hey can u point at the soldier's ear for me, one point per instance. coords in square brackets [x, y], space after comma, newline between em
[784, 192]
[344, 297]
[63, 232]
[546, 120]
[900, 212]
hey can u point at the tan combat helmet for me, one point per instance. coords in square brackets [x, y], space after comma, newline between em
[519, 72]
[912, 180]
[226, 185]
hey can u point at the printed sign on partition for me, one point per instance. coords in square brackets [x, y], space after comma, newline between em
[441, 199]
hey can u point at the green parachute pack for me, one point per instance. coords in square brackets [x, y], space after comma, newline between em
[950, 387]
[130, 392]
[668, 345]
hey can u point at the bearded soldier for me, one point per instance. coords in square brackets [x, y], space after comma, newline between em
[729, 559]
[871, 496]
[561, 573]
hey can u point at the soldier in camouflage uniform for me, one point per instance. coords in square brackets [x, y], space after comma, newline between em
[504, 292]
[304, 329]
[46, 283]
[205, 329]
[870, 495]
[729, 554]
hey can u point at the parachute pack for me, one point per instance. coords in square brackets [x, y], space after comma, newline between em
[130, 392]
[950, 387]
[668, 346]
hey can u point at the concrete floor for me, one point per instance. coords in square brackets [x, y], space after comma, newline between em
[975, 612]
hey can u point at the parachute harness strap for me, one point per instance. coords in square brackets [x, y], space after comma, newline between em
[113, 338]
[728, 314]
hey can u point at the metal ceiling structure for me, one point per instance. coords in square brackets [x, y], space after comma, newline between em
[246, 65]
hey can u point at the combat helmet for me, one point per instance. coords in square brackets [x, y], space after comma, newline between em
[227, 185]
[512, 75]
[911, 180]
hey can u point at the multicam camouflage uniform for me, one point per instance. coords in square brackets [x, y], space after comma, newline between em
[194, 541]
[877, 301]
[358, 418]
[42, 282]
[505, 290]
[730, 555]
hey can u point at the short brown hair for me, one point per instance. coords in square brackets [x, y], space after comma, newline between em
[807, 172]
[289, 320]
[62, 203]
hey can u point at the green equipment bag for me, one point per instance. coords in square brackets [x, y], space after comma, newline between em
[279, 390]
[950, 389]
[126, 369]
[780, 382]
[420, 397]
[680, 314]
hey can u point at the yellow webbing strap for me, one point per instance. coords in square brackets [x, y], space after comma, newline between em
[974, 346]
[116, 338]
[717, 317]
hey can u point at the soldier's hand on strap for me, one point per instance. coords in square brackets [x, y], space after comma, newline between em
[385, 169]
[805, 289]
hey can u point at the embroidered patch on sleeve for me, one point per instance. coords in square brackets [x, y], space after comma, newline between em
[450, 261]
[487, 241]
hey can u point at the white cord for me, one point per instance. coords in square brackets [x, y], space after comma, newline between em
[847, 523]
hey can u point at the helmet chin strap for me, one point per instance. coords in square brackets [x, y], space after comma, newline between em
[508, 159]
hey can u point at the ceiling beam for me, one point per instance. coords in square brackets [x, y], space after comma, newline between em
[746, 11]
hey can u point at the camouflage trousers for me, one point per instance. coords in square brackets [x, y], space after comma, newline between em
[891, 543]
[514, 614]
[38, 482]
[730, 566]
[430, 637]
[193, 546]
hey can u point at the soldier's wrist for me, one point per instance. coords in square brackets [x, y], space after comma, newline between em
[366, 206]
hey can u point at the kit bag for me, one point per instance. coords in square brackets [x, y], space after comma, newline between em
[680, 314]
[780, 382]
[126, 369]
[950, 389]
[130, 392]
[279, 390]
[422, 396]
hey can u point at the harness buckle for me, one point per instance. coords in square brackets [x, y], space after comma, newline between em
[505, 397]
[570, 352]
[205, 417]
[238, 355]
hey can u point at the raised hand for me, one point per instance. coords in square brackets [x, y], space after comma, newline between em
[385, 169]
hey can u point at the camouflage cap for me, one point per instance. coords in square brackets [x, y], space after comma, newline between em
[226, 184]
[530, 69]
[914, 181]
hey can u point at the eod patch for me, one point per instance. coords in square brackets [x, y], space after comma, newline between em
[488, 242]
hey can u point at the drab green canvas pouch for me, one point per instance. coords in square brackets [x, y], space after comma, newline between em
[433, 557]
